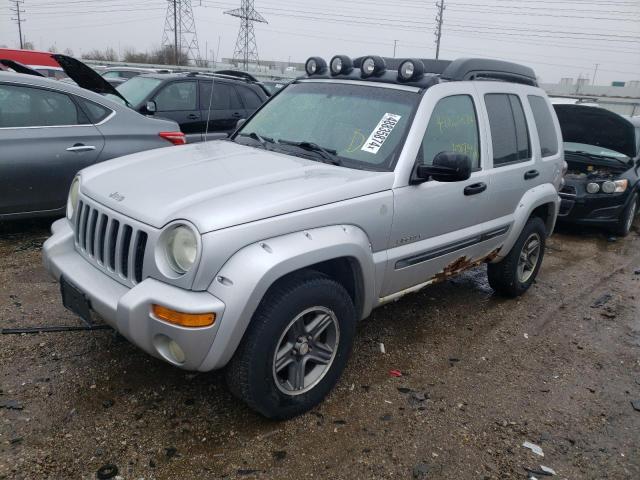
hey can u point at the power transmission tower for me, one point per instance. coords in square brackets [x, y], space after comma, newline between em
[246, 49]
[180, 31]
[439, 19]
[18, 11]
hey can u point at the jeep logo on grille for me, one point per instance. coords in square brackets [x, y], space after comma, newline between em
[117, 197]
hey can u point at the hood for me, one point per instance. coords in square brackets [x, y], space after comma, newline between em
[85, 76]
[597, 126]
[20, 68]
[221, 184]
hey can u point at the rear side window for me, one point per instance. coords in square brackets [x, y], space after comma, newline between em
[35, 107]
[97, 113]
[453, 127]
[509, 134]
[544, 125]
[224, 96]
[250, 98]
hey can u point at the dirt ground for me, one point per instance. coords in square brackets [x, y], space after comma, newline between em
[481, 375]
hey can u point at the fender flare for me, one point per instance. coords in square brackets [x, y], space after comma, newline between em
[532, 199]
[245, 278]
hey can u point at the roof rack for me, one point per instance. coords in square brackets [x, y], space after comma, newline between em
[486, 69]
[237, 73]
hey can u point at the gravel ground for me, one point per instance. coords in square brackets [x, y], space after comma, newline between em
[480, 376]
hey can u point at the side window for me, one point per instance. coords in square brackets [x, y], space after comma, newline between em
[544, 125]
[224, 96]
[509, 134]
[250, 98]
[111, 74]
[34, 107]
[129, 74]
[177, 96]
[453, 127]
[97, 113]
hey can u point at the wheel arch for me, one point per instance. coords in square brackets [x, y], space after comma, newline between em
[342, 252]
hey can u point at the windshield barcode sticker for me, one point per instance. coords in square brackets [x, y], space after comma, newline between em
[381, 133]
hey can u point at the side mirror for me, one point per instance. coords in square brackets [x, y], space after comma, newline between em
[151, 107]
[240, 122]
[446, 167]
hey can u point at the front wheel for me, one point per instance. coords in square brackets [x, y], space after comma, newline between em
[296, 346]
[625, 223]
[514, 274]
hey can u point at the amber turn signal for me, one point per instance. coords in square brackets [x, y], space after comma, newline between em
[183, 319]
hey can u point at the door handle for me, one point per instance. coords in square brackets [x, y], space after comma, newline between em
[475, 188]
[236, 115]
[78, 147]
[531, 174]
[193, 116]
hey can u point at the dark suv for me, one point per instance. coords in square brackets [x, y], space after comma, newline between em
[186, 98]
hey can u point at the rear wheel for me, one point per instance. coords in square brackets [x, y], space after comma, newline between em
[625, 223]
[296, 347]
[513, 275]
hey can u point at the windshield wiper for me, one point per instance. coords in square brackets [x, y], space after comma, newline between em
[263, 140]
[595, 156]
[328, 155]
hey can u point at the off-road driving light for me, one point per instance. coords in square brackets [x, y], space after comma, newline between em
[315, 66]
[373, 66]
[181, 249]
[341, 65]
[410, 70]
[593, 187]
[608, 187]
[72, 200]
[191, 320]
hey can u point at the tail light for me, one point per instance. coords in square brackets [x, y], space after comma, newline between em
[177, 138]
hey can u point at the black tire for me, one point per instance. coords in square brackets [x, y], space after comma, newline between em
[625, 223]
[503, 276]
[250, 374]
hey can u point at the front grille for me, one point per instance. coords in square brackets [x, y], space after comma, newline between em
[111, 244]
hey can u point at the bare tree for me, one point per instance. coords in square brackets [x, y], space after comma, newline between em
[106, 55]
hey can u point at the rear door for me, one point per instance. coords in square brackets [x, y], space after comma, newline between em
[45, 140]
[223, 108]
[250, 99]
[178, 101]
[514, 169]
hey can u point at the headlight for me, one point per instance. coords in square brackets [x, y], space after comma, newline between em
[608, 187]
[72, 200]
[181, 249]
[593, 187]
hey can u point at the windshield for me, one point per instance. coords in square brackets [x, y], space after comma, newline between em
[135, 90]
[593, 150]
[362, 125]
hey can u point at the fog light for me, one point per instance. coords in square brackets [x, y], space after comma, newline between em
[593, 188]
[608, 187]
[176, 352]
[191, 320]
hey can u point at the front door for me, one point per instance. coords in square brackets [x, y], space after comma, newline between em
[438, 227]
[45, 140]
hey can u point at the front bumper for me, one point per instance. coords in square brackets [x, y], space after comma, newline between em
[128, 310]
[598, 209]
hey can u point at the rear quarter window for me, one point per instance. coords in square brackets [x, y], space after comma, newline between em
[544, 125]
[96, 113]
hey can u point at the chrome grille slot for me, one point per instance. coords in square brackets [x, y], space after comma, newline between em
[114, 245]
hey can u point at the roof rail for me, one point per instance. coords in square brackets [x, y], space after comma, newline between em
[237, 73]
[481, 69]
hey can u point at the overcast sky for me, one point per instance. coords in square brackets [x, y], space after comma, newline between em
[558, 38]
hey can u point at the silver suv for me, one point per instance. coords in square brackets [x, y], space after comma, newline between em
[360, 183]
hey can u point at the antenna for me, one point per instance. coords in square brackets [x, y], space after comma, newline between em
[246, 49]
[180, 32]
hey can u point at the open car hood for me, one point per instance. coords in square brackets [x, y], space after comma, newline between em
[597, 126]
[85, 77]
[20, 68]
